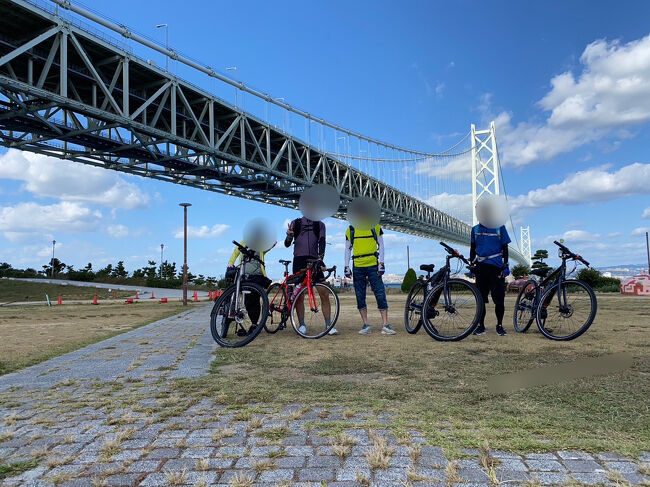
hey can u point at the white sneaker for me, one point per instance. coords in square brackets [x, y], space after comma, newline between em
[302, 329]
[333, 331]
[387, 330]
[364, 330]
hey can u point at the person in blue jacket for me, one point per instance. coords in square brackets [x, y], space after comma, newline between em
[489, 258]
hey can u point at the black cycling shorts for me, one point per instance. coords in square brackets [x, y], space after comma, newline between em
[300, 263]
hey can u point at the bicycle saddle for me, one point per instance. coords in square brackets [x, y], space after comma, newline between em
[284, 262]
[540, 272]
[427, 268]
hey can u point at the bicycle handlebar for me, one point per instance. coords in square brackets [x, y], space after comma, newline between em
[570, 254]
[247, 253]
[454, 253]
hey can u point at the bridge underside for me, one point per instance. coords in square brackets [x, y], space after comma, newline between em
[70, 94]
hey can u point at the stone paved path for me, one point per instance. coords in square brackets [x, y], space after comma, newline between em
[108, 415]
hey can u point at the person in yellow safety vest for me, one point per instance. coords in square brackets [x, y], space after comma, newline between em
[367, 250]
[255, 272]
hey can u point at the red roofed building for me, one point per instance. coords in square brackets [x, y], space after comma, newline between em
[638, 285]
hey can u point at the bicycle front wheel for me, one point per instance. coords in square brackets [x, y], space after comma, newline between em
[456, 317]
[278, 311]
[568, 315]
[524, 313]
[236, 320]
[315, 319]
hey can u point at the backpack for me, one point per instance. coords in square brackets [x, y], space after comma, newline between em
[297, 227]
[374, 235]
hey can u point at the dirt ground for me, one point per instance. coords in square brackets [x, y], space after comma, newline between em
[33, 333]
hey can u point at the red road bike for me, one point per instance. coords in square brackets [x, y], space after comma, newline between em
[308, 300]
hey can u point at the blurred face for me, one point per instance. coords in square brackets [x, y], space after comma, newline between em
[491, 211]
[319, 202]
[364, 213]
[259, 234]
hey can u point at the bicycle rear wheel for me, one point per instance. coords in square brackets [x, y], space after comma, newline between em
[235, 325]
[413, 308]
[278, 311]
[458, 318]
[314, 319]
[571, 315]
[524, 313]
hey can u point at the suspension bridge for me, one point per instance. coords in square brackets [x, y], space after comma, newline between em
[72, 90]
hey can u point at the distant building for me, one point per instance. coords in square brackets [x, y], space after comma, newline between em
[638, 285]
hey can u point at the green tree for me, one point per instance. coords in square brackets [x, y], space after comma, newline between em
[538, 259]
[168, 270]
[520, 270]
[120, 271]
[58, 268]
[409, 279]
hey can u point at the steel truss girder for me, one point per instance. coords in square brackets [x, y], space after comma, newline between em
[130, 116]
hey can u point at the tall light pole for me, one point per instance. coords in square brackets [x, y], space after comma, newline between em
[52, 262]
[162, 247]
[166, 43]
[234, 68]
[185, 205]
[283, 110]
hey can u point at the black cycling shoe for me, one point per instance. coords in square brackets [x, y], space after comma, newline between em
[480, 330]
[500, 331]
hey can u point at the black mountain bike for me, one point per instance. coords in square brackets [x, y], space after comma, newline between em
[575, 307]
[240, 313]
[448, 307]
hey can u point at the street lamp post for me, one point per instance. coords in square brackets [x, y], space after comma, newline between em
[52, 263]
[234, 68]
[185, 205]
[166, 44]
[162, 247]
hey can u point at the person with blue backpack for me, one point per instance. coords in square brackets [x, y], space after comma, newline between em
[489, 257]
[366, 247]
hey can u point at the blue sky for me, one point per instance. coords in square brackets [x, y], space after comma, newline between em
[568, 84]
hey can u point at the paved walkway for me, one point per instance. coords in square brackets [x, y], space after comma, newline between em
[105, 415]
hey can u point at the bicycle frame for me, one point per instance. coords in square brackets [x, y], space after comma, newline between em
[433, 280]
[284, 288]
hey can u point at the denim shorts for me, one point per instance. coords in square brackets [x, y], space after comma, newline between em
[361, 276]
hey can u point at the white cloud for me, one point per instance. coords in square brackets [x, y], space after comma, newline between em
[117, 231]
[611, 93]
[646, 213]
[71, 181]
[203, 231]
[640, 230]
[24, 219]
[595, 184]
[440, 86]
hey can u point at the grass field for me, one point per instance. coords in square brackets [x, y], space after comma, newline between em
[441, 387]
[31, 333]
[26, 291]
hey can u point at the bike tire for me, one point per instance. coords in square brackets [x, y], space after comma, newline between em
[218, 334]
[334, 316]
[527, 300]
[413, 307]
[431, 326]
[275, 319]
[555, 325]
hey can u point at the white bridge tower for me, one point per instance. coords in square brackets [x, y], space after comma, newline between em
[525, 245]
[485, 165]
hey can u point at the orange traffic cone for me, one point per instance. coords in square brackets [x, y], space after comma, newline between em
[59, 301]
[152, 295]
[95, 300]
[196, 297]
[163, 300]
[137, 296]
[128, 301]
[114, 295]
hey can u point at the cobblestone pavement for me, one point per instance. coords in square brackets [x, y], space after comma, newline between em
[108, 415]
